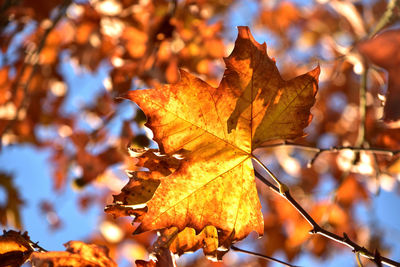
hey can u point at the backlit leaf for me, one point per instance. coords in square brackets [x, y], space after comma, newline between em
[215, 131]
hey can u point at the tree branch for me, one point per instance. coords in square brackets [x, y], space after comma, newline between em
[335, 149]
[361, 138]
[386, 18]
[345, 240]
[262, 256]
[36, 246]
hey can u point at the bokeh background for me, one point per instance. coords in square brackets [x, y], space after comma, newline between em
[65, 133]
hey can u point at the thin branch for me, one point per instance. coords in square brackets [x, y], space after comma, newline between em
[36, 246]
[262, 256]
[361, 138]
[35, 58]
[383, 151]
[358, 259]
[345, 240]
[318, 151]
[386, 18]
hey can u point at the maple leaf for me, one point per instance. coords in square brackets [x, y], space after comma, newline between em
[215, 131]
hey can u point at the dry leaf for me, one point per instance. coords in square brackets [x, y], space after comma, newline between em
[215, 131]
[15, 248]
[76, 254]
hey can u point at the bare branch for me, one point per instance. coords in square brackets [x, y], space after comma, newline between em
[36, 246]
[345, 240]
[335, 149]
[263, 256]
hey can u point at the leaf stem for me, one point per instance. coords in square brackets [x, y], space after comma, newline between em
[345, 240]
[262, 256]
[359, 263]
[282, 187]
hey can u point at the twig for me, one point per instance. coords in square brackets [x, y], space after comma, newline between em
[386, 18]
[262, 256]
[345, 240]
[359, 263]
[318, 151]
[361, 138]
[36, 246]
[384, 151]
[34, 56]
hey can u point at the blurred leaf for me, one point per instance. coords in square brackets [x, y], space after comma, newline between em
[351, 191]
[394, 168]
[281, 17]
[48, 210]
[10, 210]
[382, 50]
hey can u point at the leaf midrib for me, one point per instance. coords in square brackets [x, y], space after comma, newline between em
[200, 187]
[219, 138]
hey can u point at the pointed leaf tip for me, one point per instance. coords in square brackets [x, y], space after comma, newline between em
[245, 33]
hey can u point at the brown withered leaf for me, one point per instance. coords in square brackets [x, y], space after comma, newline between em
[15, 248]
[215, 131]
[383, 51]
[77, 254]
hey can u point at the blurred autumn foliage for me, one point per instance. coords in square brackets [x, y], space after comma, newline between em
[142, 44]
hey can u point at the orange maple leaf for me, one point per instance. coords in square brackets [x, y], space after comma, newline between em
[215, 131]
